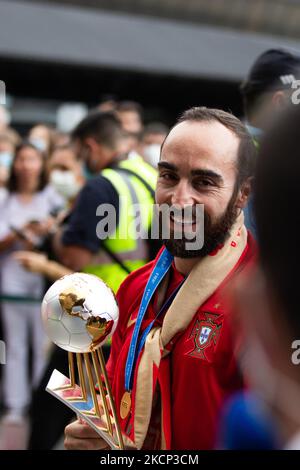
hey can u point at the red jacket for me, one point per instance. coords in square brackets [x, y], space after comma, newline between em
[199, 374]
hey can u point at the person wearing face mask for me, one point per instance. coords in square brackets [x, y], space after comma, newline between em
[152, 138]
[65, 172]
[25, 221]
[8, 141]
[66, 177]
[267, 92]
[42, 137]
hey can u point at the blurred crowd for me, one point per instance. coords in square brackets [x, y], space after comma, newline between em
[41, 175]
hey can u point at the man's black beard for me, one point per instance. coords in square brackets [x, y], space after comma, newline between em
[215, 234]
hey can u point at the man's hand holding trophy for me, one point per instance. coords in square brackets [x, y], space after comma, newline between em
[79, 314]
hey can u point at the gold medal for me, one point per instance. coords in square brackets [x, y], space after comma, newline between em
[125, 405]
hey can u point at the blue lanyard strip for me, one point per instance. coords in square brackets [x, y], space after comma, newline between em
[163, 308]
[160, 270]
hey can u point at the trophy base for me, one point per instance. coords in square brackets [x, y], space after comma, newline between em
[60, 387]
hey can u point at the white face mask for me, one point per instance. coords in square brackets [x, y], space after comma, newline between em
[40, 144]
[6, 159]
[65, 183]
[152, 154]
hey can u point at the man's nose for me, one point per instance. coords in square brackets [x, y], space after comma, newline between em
[183, 194]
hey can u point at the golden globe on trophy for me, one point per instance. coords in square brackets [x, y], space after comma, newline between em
[80, 313]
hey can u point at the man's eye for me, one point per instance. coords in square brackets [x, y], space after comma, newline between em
[203, 183]
[168, 176]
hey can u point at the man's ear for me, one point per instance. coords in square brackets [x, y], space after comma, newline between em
[244, 193]
[92, 143]
[279, 100]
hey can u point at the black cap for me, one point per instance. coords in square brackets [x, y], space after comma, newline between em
[275, 69]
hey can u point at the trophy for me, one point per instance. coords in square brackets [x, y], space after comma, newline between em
[79, 314]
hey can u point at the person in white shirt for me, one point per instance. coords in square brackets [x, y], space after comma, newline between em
[25, 221]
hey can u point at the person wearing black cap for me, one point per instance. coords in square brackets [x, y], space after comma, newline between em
[266, 92]
[268, 88]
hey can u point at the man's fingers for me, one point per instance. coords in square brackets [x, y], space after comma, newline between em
[81, 431]
[72, 443]
[81, 436]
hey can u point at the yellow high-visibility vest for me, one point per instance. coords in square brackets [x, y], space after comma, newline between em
[123, 243]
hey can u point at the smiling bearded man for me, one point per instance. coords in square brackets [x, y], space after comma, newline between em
[172, 361]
